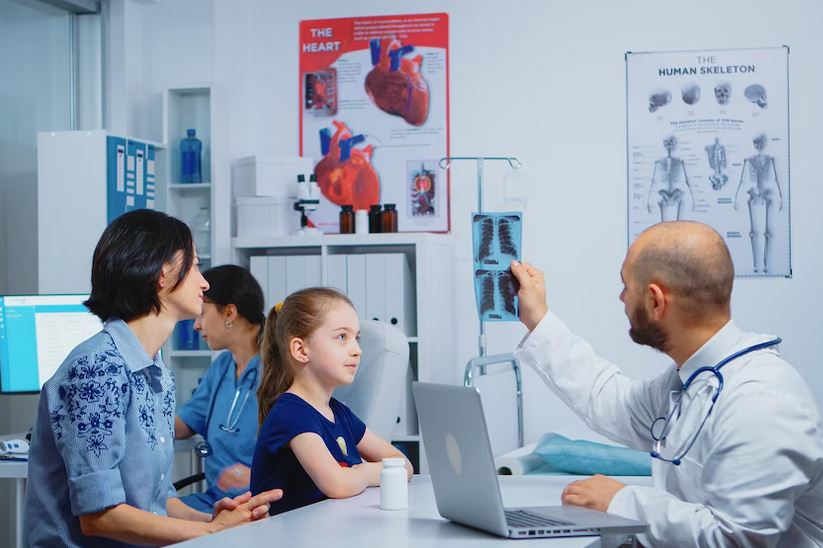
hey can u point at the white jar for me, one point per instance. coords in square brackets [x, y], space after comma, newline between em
[394, 485]
[361, 221]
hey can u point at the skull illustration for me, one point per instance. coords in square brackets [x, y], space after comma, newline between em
[723, 92]
[670, 143]
[659, 99]
[756, 94]
[690, 93]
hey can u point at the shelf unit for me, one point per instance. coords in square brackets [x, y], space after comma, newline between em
[183, 108]
[431, 349]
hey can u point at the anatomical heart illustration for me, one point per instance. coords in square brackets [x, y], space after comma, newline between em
[395, 83]
[345, 174]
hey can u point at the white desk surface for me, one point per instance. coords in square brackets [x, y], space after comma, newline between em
[14, 469]
[358, 522]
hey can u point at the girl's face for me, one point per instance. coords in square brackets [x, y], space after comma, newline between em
[212, 326]
[333, 351]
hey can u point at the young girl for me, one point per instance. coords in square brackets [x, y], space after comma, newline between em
[311, 445]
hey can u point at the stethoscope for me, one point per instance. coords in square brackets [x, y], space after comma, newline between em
[667, 421]
[232, 418]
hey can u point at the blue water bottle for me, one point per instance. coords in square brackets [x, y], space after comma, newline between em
[191, 149]
[187, 337]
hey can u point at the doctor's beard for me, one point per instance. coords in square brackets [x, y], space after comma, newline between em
[645, 331]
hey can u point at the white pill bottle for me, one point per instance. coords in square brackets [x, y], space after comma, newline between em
[394, 486]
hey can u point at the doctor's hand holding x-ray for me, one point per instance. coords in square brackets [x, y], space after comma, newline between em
[596, 492]
[733, 431]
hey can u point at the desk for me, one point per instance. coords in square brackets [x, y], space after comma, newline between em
[19, 471]
[359, 521]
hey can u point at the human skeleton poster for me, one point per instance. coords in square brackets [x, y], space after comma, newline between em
[708, 140]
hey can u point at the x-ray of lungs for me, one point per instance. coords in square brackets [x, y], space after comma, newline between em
[496, 239]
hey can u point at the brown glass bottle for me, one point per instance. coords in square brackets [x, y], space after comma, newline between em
[375, 219]
[389, 223]
[346, 219]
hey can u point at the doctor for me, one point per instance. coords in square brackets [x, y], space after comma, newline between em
[223, 408]
[737, 455]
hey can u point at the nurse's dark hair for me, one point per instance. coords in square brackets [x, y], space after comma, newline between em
[300, 315]
[232, 284]
[129, 259]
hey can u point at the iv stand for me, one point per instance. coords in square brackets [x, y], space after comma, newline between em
[481, 362]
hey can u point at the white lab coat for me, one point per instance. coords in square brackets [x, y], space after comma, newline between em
[754, 476]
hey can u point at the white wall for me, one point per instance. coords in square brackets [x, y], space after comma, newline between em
[544, 81]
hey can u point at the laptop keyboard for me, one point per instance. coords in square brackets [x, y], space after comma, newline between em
[525, 519]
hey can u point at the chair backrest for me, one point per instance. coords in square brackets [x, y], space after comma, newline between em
[377, 390]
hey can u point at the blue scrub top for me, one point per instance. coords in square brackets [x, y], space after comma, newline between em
[209, 408]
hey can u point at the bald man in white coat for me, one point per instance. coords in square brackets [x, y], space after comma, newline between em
[744, 470]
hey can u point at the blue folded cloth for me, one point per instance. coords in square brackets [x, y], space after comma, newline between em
[587, 457]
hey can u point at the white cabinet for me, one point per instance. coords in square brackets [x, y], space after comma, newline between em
[84, 180]
[401, 278]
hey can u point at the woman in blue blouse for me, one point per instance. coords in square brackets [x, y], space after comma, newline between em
[102, 447]
[223, 408]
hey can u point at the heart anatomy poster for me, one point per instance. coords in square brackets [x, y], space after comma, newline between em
[374, 116]
[708, 140]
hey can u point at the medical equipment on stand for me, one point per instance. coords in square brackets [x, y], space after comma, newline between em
[481, 362]
[308, 200]
[667, 423]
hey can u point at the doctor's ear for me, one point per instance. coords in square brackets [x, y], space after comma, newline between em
[656, 300]
[298, 350]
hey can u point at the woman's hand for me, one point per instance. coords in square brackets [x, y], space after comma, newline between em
[243, 509]
[233, 477]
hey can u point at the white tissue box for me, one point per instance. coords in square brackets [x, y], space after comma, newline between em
[268, 175]
[265, 216]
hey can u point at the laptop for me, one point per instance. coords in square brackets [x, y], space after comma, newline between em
[464, 479]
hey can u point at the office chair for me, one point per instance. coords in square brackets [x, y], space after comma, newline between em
[377, 390]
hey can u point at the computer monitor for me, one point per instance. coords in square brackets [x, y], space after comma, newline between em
[37, 332]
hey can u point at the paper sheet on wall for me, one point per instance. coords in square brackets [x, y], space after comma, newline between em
[374, 115]
[708, 140]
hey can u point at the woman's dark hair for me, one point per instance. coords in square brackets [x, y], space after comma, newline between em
[232, 284]
[128, 260]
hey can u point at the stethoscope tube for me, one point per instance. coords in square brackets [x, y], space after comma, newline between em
[667, 425]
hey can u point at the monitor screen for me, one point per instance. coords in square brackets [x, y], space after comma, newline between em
[37, 332]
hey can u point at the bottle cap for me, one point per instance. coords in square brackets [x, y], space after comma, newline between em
[389, 207]
[375, 208]
[301, 178]
[190, 132]
[393, 462]
[347, 207]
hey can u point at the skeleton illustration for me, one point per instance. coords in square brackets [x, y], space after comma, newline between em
[717, 161]
[659, 98]
[669, 182]
[759, 179]
[723, 92]
[690, 93]
[497, 293]
[756, 94]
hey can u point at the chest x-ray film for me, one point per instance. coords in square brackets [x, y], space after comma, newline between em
[496, 240]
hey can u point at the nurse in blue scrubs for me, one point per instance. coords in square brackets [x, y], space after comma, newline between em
[223, 408]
